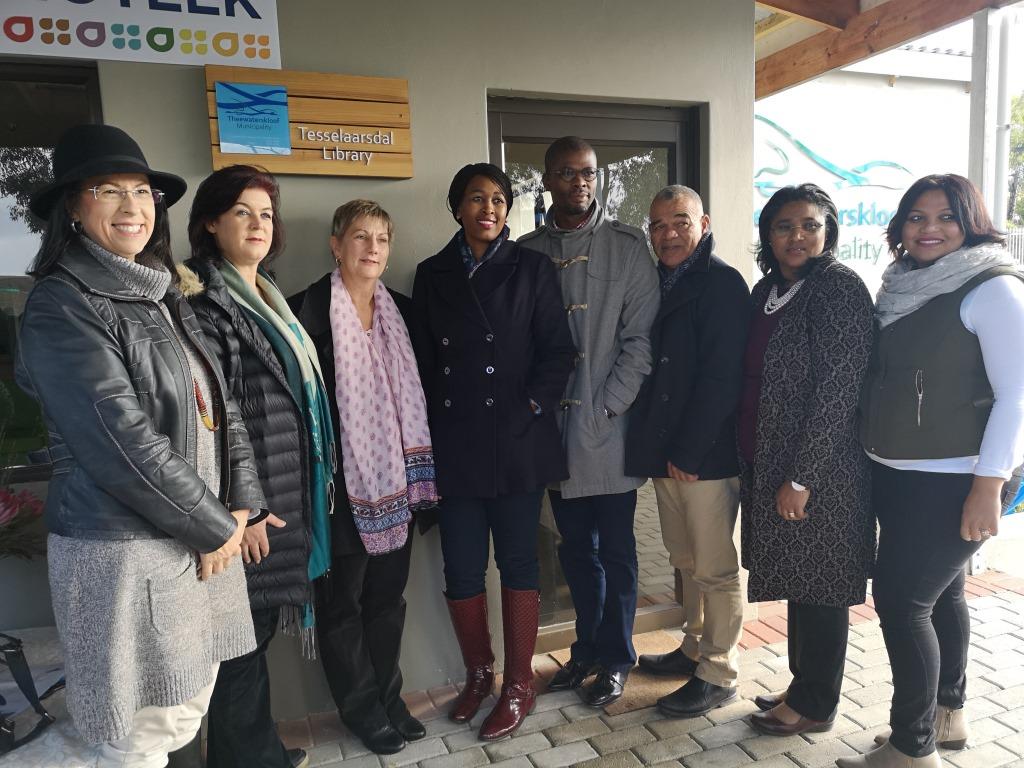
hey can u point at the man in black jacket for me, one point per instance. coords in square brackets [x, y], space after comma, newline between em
[682, 434]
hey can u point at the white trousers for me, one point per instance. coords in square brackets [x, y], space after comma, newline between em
[156, 731]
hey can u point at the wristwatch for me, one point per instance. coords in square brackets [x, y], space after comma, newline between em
[797, 486]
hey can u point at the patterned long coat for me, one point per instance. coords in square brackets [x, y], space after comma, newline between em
[806, 431]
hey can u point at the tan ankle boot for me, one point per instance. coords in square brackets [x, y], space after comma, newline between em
[952, 729]
[887, 756]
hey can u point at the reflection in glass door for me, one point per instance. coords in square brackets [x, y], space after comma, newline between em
[639, 151]
[628, 178]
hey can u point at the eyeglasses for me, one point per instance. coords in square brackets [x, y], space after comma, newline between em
[114, 195]
[679, 225]
[568, 174]
[785, 229]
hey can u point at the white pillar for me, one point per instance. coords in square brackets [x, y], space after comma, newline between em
[984, 76]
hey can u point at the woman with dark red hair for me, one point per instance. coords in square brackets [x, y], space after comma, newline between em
[272, 371]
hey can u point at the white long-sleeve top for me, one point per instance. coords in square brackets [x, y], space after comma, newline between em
[994, 312]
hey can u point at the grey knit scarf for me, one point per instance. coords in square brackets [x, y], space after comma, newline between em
[149, 281]
[906, 287]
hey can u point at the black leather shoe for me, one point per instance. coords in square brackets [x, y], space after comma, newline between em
[605, 689]
[571, 676]
[674, 664]
[297, 758]
[407, 725]
[380, 737]
[695, 698]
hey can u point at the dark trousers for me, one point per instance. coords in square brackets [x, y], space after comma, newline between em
[466, 527]
[360, 614]
[598, 556]
[817, 655]
[919, 597]
[240, 728]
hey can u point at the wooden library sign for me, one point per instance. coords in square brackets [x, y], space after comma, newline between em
[309, 123]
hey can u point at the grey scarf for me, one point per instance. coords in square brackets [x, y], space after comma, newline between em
[905, 289]
[151, 282]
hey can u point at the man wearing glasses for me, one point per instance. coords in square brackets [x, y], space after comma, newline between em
[683, 434]
[610, 289]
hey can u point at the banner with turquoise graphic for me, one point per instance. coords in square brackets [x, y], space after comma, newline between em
[196, 32]
[252, 119]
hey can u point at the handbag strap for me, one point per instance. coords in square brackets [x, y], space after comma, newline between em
[14, 658]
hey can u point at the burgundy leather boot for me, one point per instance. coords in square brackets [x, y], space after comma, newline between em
[469, 618]
[519, 613]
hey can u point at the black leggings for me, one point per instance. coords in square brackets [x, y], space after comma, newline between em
[919, 597]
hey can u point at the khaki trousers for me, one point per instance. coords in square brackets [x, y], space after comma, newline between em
[697, 522]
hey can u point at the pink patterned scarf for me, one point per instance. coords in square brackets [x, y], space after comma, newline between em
[385, 442]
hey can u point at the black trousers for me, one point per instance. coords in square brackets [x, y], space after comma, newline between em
[598, 557]
[360, 615]
[467, 525]
[817, 636]
[919, 597]
[241, 730]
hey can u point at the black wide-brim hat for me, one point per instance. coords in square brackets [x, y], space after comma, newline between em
[98, 150]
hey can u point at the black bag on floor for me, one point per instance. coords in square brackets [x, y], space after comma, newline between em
[13, 657]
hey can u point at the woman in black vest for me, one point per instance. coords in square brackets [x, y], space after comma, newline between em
[807, 533]
[942, 413]
[271, 368]
[494, 348]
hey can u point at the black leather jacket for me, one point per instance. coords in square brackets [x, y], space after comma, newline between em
[111, 377]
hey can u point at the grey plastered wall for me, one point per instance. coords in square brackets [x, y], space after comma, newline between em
[454, 53]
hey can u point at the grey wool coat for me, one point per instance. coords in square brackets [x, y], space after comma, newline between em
[806, 431]
[611, 292]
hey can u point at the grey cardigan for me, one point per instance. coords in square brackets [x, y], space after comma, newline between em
[610, 288]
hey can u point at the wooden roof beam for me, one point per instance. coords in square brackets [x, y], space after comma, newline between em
[772, 23]
[834, 14]
[883, 27]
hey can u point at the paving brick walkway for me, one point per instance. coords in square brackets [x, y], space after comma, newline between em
[564, 732]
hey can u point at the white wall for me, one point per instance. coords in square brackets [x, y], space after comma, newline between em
[454, 53]
[850, 119]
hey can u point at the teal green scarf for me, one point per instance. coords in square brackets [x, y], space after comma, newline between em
[315, 407]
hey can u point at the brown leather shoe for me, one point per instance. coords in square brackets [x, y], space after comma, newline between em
[520, 610]
[469, 618]
[768, 724]
[769, 700]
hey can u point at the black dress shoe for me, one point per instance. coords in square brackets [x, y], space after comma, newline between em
[571, 675]
[695, 698]
[380, 737]
[673, 664]
[297, 758]
[605, 689]
[407, 725]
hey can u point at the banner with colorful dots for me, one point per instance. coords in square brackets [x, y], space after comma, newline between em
[197, 32]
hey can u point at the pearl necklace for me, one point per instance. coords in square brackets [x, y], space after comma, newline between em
[774, 303]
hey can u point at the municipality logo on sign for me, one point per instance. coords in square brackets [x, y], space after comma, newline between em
[252, 119]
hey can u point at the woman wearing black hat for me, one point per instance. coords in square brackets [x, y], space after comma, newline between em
[148, 457]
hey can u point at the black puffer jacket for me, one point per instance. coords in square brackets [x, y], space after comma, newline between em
[108, 372]
[257, 382]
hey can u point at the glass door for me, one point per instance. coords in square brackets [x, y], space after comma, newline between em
[639, 151]
[38, 103]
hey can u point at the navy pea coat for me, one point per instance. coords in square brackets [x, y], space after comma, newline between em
[487, 346]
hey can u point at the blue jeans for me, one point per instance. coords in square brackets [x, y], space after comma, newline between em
[466, 527]
[598, 556]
